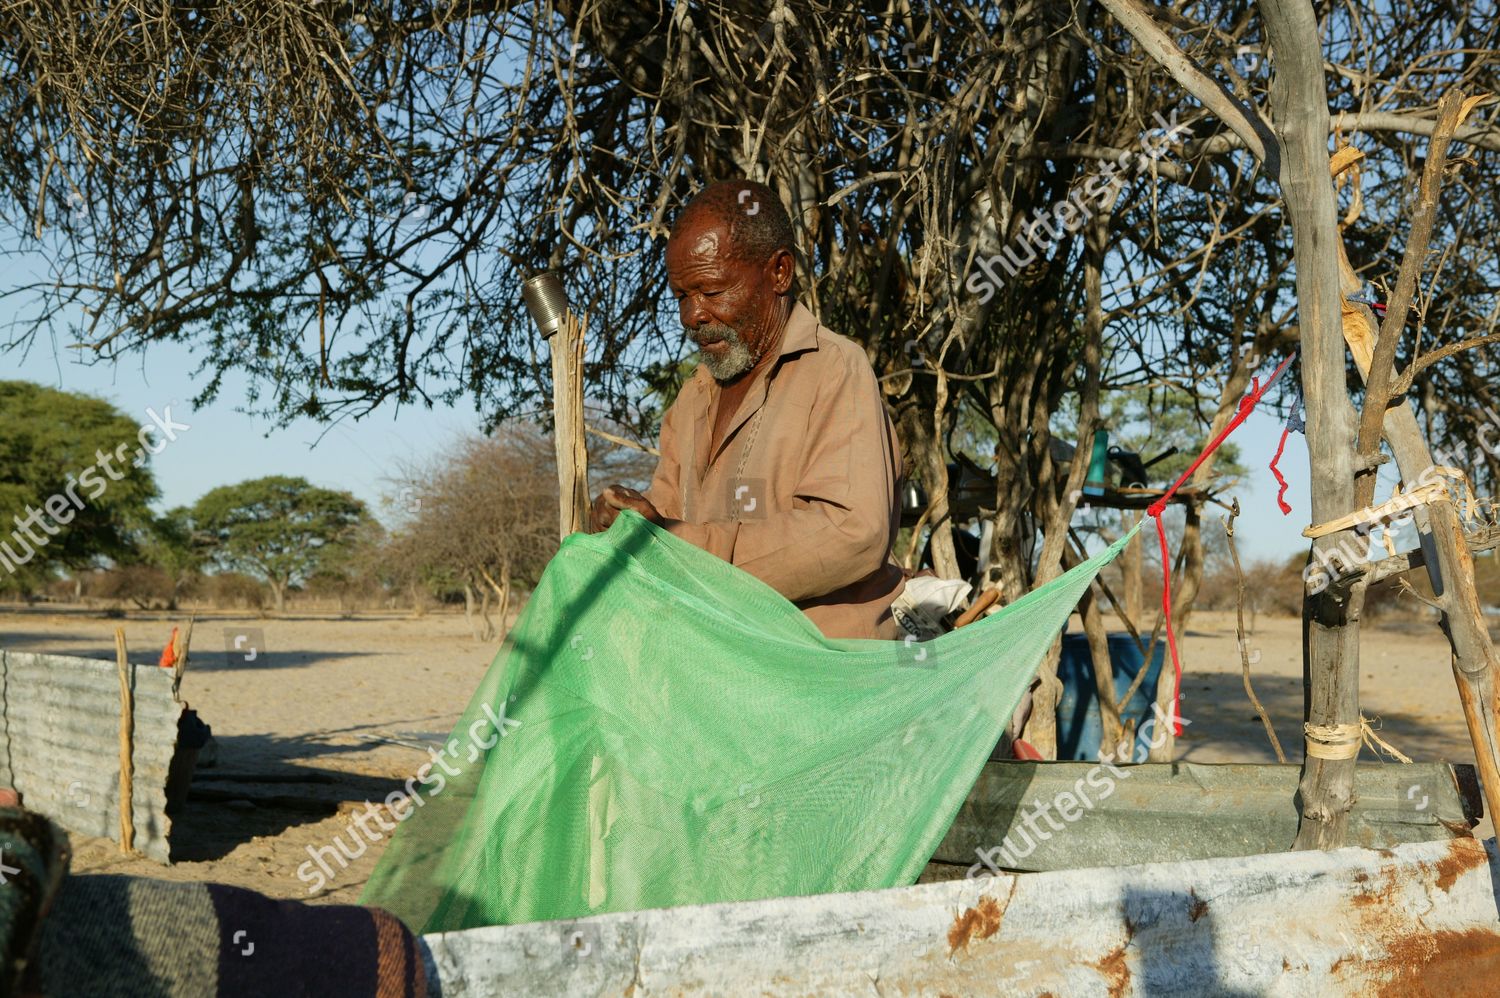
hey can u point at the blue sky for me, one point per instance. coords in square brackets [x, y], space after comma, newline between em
[225, 446]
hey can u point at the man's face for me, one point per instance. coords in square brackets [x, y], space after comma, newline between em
[727, 305]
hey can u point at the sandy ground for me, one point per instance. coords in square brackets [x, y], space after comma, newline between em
[303, 722]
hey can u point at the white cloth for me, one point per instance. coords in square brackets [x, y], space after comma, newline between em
[923, 603]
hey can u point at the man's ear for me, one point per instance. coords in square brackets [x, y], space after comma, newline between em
[782, 270]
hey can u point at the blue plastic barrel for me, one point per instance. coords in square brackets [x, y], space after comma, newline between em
[1078, 727]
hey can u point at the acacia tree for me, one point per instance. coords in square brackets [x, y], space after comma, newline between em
[1345, 444]
[279, 528]
[170, 543]
[75, 483]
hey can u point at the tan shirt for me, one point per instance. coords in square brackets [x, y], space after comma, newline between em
[803, 493]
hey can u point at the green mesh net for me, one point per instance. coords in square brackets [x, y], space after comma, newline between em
[662, 729]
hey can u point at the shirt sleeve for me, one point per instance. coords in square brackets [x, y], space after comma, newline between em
[838, 530]
[665, 490]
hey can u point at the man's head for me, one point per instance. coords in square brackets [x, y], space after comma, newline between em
[730, 266]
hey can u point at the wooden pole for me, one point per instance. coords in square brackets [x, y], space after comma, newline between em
[127, 739]
[180, 655]
[1473, 656]
[568, 428]
[1299, 108]
[1131, 563]
[1451, 568]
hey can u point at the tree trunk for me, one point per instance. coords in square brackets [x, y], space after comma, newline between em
[1041, 727]
[929, 453]
[1297, 154]
[1111, 731]
[502, 594]
[469, 611]
[487, 626]
[278, 594]
[1299, 103]
[504, 613]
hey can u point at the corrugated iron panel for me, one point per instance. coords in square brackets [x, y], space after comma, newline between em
[60, 744]
[1419, 919]
[1187, 811]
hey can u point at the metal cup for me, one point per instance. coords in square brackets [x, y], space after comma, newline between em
[546, 301]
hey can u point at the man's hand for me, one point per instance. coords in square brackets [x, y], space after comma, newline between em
[614, 499]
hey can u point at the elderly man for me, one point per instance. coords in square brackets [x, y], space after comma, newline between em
[777, 455]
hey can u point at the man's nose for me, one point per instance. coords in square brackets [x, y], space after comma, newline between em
[693, 313]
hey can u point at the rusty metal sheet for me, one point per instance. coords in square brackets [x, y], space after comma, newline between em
[1418, 919]
[60, 744]
[1185, 810]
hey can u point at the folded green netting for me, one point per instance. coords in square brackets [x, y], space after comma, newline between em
[686, 735]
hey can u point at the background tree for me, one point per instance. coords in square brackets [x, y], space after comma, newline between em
[480, 517]
[483, 514]
[171, 544]
[351, 572]
[280, 529]
[50, 442]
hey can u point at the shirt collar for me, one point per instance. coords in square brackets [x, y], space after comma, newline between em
[801, 331]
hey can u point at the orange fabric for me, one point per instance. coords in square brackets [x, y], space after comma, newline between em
[803, 492]
[169, 653]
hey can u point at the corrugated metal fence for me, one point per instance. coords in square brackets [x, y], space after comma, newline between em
[60, 744]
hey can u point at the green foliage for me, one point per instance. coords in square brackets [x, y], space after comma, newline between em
[280, 529]
[168, 543]
[72, 464]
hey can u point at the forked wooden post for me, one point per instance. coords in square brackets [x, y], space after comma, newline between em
[567, 427]
[548, 304]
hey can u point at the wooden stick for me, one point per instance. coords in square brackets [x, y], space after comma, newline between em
[1239, 633]
[983, 602]
[567, 426]
[1395, 506]
[127, 739]
[180, 655]
[623, 442]
[1452, 109]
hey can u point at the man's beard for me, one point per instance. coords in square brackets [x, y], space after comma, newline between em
[732, 363]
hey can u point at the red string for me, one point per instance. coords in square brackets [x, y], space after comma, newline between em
[1285, 506]
[1156, 509]
[1166, 609]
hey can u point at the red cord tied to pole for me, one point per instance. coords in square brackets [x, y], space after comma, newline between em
[1293, 422]
[1155, 510]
